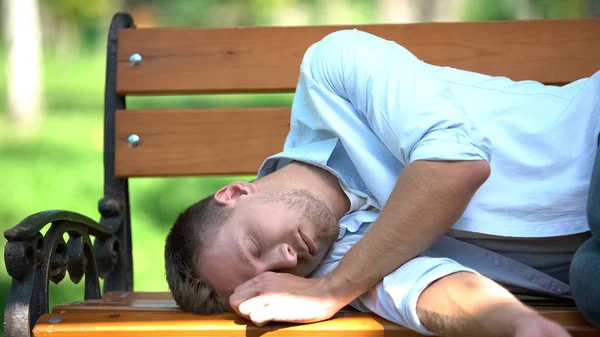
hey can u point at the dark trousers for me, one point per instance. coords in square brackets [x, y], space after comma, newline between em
[584, 276]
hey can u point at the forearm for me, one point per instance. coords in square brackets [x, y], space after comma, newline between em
[467, 304]
[427, 200]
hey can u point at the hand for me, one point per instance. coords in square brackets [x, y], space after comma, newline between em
[538, 326]
[279, 297]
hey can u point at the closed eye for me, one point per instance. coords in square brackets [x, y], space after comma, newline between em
[255, 248]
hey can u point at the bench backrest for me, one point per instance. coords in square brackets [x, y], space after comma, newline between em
[229, 141]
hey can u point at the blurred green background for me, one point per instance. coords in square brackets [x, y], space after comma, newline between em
[51, 137]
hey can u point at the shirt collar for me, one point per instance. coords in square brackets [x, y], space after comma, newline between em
[315, 153]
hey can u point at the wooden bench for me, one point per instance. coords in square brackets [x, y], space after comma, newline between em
[228, 141]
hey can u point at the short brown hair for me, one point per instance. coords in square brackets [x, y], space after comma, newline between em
[183, 248]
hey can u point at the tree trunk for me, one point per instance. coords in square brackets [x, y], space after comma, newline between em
[23, 40]
[397, 11]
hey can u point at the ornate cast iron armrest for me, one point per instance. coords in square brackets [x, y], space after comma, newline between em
[33, 259]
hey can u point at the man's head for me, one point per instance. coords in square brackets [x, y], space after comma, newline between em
[239, 232]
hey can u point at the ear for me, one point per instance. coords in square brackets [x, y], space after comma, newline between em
[229, 194]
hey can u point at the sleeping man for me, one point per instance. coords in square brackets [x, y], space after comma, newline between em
[417, 192]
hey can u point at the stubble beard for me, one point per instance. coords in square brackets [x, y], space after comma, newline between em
[309, 207]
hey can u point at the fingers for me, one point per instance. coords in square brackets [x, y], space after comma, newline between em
[242, 296]
[271, 297]
[250, 289]
[257, 309]
[278, 309]
[268, 308]
[262, 316]
[253, 304]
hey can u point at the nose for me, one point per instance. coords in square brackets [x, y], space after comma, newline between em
[282, 256]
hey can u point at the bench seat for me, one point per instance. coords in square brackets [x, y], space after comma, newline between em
[156, 314]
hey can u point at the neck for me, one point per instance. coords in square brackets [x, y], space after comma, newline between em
[320, 183]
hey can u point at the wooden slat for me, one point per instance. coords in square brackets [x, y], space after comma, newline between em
[163, 301]
[346, 323]
[267, 59]
[185, 324]
[122, 301]
[136, 298]
[131, 296]
[117, 301]
[198, 141]
[155, 314]
[101, 306]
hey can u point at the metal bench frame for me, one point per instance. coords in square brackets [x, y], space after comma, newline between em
[33, 259]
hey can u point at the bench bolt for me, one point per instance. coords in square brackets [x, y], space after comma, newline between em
[55, 320]
[135, 59]
[133, 140]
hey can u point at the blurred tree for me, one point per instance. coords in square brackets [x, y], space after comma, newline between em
[594, 8]
[23, 40]
[494, 10]
[552, 9]
[398, 11]
[235, 13]
[69, 22]
[489, 10]
[408, 11]
[212, 13]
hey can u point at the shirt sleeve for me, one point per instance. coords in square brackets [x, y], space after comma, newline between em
[395, 297]
[410, 109]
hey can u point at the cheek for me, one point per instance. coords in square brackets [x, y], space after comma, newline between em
[275, 218]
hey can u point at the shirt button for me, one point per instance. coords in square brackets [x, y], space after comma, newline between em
[559, 290]
[496, 262]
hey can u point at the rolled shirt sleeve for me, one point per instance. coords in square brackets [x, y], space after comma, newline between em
[410, 109]
[395, 297]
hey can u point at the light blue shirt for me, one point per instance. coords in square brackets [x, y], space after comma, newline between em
[366, 107]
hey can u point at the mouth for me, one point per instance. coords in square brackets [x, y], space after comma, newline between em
[309, 243]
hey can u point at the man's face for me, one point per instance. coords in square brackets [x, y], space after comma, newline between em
[284, 230]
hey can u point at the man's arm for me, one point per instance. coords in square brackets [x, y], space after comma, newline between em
[467, 304]
[427, 200]
[415, 115]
